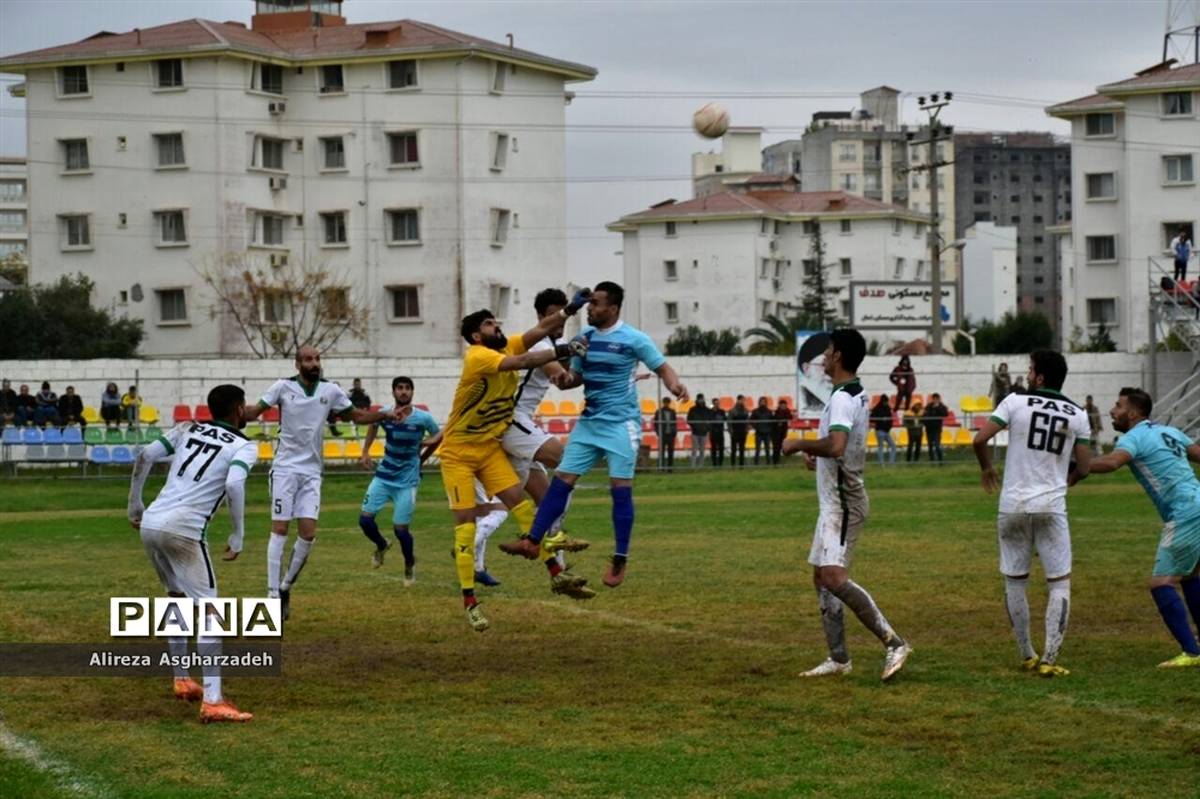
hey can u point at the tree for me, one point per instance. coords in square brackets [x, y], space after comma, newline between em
[279, 309]
[1100, 340]
[1022, 333]
[15, 268]
[691, 340]
[779, 336]
[58, 321]
[814, 301]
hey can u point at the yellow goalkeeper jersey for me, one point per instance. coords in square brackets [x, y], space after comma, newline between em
[484, 399]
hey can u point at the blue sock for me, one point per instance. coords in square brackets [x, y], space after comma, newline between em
[406, 543]
[1175, 614]
[371, 530]
[1191, 595]
[553, 505]
[622, 517]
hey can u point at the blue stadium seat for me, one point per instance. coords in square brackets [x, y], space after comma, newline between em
[100, 455]
[31, 435]
[122, 455]
[12, 435]
[72, 435]
[52, 436]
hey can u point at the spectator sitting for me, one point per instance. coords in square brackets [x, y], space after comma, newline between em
[46, 406]
[131, 403]
[779, 429]
[358, 397]
[70, 408]
[26, 407]
[760, 419]
[881, 417]
[8, 404]
[912, 423]
[935, 414]
[1001, 385]
[110, 405]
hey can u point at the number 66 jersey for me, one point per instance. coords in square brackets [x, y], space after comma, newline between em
[1043, 429]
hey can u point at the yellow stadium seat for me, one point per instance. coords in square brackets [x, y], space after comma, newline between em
[334, 450]
[354, 449]
[148, 414]
[648, 406]
[810, 434]
[947, 437]
[376, 450]
[91, 415]
[872, 439]
[963, 437]
[750, 440]
[967, 403]
[685, 406]
[568, 408]
[547, 408]
[902, 437]
[265, 451]
[983, 404]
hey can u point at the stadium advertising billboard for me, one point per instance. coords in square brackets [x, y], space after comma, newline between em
[897, 305]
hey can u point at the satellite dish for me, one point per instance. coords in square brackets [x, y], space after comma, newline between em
[136, 292]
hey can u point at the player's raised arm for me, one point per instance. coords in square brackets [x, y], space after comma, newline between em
[551, 322]
[1103, 464]
[671, 380]
[535, 358]
[141, 470]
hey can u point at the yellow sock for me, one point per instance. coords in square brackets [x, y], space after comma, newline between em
[464, 554]
[523, 513]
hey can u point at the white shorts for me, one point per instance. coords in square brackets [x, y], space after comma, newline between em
[1021, 533]
[836, 534]
[521, 442]
[295, 496]
[182, 563]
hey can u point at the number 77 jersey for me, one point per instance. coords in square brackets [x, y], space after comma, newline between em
[1043, 429]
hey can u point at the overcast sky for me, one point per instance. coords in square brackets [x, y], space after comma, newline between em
[771, 64]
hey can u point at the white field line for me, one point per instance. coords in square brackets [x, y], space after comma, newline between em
[1125, 713]
[65, 778]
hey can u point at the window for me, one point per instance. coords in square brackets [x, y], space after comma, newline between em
[276, 307]
[1014, 198]
[170, 226]
[981, 198]
[845, 263]
[402, 74]
[334, 150]
[403, 148]
[778, 227]
[1175, 104]
[809, 227]
[1038, 259]
[172, 305]
[764, 309]
[809, 266]
[1178, 169]
[1101, 248]
[12, 221]
[335, 304]
[763, 226]
[1102, 186]
[672, 312]
[1038, 239]
[1038, 219]
[270, 229]
[1014, 157]
[333, 224]
[849, 182]
[169, 73]
[1100, 125]
[846, 226]
[12, 191]
[74, 81]
[670, 272]
[267, 153]
[170, 149]
[1171, 229]
[671, 231]
[764, 267]
[920, 275]
[844, 305]
[848, 152]
[1102, 311]
[500, 222]
[499, 151]
[501, 295]
[405, 303]
[75, 155]
[403, 226]
[1015, 219]
[499, 73]
[980, 178]
[75, 231]
[270, 79]
[1014, 177]
[897, 227]
[1037, 177]
[1037, 198]
[331, 79]
[898, 274]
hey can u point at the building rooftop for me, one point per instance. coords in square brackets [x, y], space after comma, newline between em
[1008, 139]
[768, 203]
[1160, 77]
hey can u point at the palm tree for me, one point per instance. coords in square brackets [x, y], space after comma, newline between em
[779, 336]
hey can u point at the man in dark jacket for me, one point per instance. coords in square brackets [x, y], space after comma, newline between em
[26, 407]
[358, 397]
[8, 404]
[697, 419]
[779, 430]
[665, 421]
[739, 427]
[761, 421]
[46, 411]
[716, 432]
[935, 415]
[881, 418]
[70, 408]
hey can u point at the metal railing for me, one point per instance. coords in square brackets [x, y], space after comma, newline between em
[1175, 317]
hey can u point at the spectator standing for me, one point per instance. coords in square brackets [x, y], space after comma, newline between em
[761, 422]
[1094, 422]
[739, 426]
[8, 404]
[881, 417]
[1018, 385]
[1182, 250]
[935, 415]
[110, 405]
[1001, 385]
[666, 426]
[26, 407]
[912, 423]
[70, 408]
[779, 429]
[697, 419]
[905, 380]
[358, 397]
[131, 403]
[46, 406]
[716, 432]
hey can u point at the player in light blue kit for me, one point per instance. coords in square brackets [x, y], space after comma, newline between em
[398, 474]
[1161, 458]
[610, 426]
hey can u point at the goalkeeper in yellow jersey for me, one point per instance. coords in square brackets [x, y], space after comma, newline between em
[470, 450]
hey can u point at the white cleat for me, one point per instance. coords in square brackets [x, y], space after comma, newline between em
[830, 668]
[894, 661]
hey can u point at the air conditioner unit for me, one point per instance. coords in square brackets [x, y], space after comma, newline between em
[276, 108]
[278, 184]
[279, 259]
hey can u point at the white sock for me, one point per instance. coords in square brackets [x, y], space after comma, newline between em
[1058, 611]
[178, 647]
[483, 531]
[275, 545]
[299, 558]
[210, 645]
[1017, 602]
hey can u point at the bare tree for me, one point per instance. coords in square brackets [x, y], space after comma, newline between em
[277, 309]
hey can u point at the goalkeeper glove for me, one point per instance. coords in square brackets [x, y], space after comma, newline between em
[578, 301]
[575, 347]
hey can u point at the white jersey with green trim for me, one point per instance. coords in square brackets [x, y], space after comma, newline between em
[201, 453]
[1043, 429]
[302, 417]
[840, 482]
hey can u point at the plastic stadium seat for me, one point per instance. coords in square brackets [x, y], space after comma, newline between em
[685, 443]
[76, 452]
[122, 455]
[683, 407]
[568, 408]
[271, 415]
[35, 452]
[100, 455]
[947, 438]
[963, 437]
[902, 437]
[93, 435]
[31, 435]
[334, 450]
[984, 404]
[951, 419]
[148, 414]
[571, 424]
[52, 436]
[651, 441]
[647, 426]
[354, 449]
[681, 424]
[377, 448]
[979, 422]
[133, 436]
[547, 408]
[113, 436]
[182, 413]
[750, 439]
[265, 451]
[872, 441]
[787, 399]
[12, 435]
[91, 415]
[725, 403]
[56, 452]
[915, 399]
[151, 433]
[556, 427]
[203, 414]
[966, 403]
[72, 435]
[811, 435]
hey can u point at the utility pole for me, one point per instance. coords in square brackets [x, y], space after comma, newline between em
[934, 106]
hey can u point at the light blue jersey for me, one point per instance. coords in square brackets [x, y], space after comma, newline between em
[1160, 464]
[609, 389]
[401, 464]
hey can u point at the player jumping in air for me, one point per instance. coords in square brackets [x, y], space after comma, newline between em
[211, 462]
[838, 455]
[1046, 431]
[611, 424]
[398, 474]
[1160, 457]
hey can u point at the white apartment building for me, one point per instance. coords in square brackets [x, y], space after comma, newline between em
[1135, 152]
[731, 258]
[989, 271]
[424, 168]
[14, 206]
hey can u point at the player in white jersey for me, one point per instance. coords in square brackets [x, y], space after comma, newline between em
[839, 454]
[1045, 429]
[210, 462]
[305, 402]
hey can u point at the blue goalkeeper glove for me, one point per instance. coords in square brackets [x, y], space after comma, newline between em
[578, 301]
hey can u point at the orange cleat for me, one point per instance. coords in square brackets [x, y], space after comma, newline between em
[524, 546]
[222, 711]
[615, 574]
[188, 690]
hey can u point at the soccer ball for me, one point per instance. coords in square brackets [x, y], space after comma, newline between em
[711, 121]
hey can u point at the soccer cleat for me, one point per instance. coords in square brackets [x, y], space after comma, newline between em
[188, 689]
[285, 602]
[483, 578]
[561, 542]
[377, 556]
[614, 575]
[476, 619]
[410, 574]
[1030, 663]
[830, 668]
[571, 585]
[222, 711]
[1051, 670]
[524, 546]
[894, 661]
[1181, 661]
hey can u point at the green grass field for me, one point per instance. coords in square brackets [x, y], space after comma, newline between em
[680, 683]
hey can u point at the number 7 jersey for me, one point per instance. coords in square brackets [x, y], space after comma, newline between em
[1043, 429]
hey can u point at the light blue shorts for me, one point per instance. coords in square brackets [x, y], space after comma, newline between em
[617, 442]
[1178, 549]
[403, 499]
